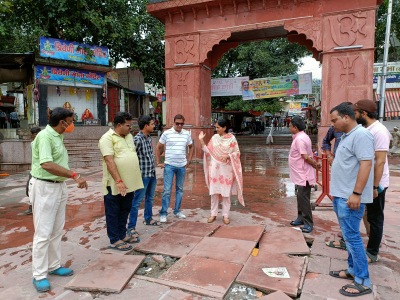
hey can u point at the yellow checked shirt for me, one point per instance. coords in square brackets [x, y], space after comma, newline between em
[124, 152]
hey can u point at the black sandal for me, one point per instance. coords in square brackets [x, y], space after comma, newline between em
[151, 222]
[131, 239]
[337, 274]
[362, 290]
[132, 232]
[121, 246]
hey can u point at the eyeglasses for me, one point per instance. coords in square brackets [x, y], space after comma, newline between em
[179, 124]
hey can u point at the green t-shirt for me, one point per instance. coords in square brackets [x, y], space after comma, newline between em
[48, 146]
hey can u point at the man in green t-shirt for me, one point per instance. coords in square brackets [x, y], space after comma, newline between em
[48, 195]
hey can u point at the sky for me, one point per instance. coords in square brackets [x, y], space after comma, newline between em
[311, 65]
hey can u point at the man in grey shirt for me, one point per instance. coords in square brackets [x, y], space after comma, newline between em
[351, 188]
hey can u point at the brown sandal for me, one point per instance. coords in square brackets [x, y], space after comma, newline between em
[211, 219]
[226, 221]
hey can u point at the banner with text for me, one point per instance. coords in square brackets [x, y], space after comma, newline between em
[227, 86]
[69, 75]
[73, 51]
[272, 87]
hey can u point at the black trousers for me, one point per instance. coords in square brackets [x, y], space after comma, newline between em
[117, 210]
[304, 212]
[375, 217]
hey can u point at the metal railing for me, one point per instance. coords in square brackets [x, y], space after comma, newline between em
[323, 180]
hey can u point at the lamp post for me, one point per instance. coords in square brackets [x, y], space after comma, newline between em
[382, 97]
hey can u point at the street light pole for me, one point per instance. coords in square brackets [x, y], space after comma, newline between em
[382, 97]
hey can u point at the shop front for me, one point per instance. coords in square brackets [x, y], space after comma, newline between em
[70, 75]
[81, 91]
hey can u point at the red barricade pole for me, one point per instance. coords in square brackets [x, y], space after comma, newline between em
[325, 180]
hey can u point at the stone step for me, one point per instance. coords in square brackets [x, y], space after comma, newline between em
[278, 139]
[14, 167]
[84, 164]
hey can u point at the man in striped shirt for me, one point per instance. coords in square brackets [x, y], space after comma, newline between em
[175, 142]
[144, 150]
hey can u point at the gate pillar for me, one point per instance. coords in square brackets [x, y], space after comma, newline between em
[188, 76]
[347, 60]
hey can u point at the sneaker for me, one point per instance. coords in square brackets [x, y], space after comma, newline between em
[180, 215]
[163, 219]
[41, 285]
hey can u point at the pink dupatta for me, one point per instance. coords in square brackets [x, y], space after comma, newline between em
[217, 150]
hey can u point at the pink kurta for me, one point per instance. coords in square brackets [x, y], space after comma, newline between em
[221, 177]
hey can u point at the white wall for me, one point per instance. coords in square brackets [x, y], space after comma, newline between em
[77, 100]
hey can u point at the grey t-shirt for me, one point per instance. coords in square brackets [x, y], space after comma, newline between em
[355, 146]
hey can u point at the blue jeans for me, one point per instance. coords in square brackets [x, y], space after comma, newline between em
[117, 210]
[148, 192]
[349, 221]
[169, 172]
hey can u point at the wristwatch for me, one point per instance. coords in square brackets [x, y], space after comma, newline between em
[376, 187]
[355, 193]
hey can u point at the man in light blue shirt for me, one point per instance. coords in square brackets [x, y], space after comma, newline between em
[351, 188]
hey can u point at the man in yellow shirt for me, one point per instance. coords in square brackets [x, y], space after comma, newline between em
[48, 195]
[121, 177]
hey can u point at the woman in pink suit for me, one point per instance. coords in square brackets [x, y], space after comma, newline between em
[222, 169]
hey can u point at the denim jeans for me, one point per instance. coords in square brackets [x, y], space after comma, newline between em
[169, 172]
[117, 210]
[349, 221]
[375, 218]
[148, 192]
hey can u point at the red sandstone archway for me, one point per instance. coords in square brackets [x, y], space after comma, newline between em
[339, 33]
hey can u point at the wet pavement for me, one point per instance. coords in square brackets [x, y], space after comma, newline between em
[270, 203]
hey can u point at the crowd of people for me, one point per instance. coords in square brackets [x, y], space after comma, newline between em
[359, 180]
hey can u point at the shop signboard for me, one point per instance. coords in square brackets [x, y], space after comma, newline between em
[393, 74]
[51, 73]
[73, 51]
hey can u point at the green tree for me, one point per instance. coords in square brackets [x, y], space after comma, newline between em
[381, 17]
[258, 60]
[122, 26]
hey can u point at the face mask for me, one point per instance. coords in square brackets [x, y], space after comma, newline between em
[70, 128]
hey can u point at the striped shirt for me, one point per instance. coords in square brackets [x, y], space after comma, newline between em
[175, 146]
[144, 150]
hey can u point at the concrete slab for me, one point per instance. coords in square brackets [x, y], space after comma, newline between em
[169, 243]
[246, 233]
[278, 295]
[253, 275]
[72, 295]
[320, 248]
[285, 240]
[192, 228]
[138, 289]
[209, 275]
[108, 273]
[383, 276]
[327, 287]
[204, 294]
[235, 251]
[319, 264]
[23, 289]
[177, 295]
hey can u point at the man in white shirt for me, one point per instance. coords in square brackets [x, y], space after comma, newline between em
[366, 115]
[175, 142]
